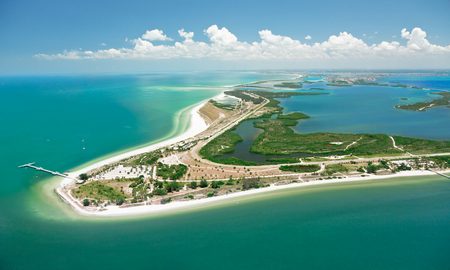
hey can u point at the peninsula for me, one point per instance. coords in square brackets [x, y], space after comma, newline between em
[200, 165]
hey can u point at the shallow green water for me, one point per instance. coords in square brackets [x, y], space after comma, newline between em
[396, 224]
[64, 122]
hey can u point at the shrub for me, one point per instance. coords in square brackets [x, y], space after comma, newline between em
[120, 201]
[86, 202]
[172, 186]
[215, 184]
[203, 183]
[249, 183]
[193, 185]
[166, 200]
[159, 192]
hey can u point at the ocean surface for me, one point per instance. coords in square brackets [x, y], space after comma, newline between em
[64, 122]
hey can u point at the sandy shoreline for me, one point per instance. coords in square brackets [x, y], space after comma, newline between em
[197, 124]
[116, 211]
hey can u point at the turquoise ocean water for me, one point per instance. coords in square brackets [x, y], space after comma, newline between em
[63, 122]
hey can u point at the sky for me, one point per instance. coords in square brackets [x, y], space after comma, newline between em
[70, 37]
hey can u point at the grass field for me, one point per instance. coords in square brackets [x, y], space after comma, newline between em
[98, 191]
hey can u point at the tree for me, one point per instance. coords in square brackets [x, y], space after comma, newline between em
[166, 200]
[371, 168]
[249, 183]
[215, 184]
[203, 183]
[404, 167]
[172, 186]
[120, 201]
[83, 177]
[159, 192]
[193, 185]
[86, 202]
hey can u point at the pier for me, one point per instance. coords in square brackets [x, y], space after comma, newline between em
[441, 174]
[31, 166]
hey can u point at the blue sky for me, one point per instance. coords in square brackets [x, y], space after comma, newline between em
[28, 28]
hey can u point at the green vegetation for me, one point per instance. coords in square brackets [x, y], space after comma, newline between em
[86, 202]
[217, 184]
[172, 186]
[193, 185]
[251, 183]
[421, 146]
[293, 116]
[270, 94]
[339, 83]
[98, 191]
[221, 145]
[173, 172]
[159, 192]
[441, 161]
[166, 200]
[233, 161]
[373, 168]
[83, 177]
[278, 138]
[403, 167]
[335, 168]
[203, 183]
[222, 105]
[444, 100]
[279, 160]
[300, 168]
[143, 159]
[244, 96]
[139, 189]
[120, 201]
[230, 182]
[292, 85]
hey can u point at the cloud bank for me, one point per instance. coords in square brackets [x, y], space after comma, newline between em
[225, 46]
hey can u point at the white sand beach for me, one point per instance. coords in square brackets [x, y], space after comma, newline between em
[196, 125]
[117, 211]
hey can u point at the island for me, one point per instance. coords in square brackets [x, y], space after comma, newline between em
[199, 166]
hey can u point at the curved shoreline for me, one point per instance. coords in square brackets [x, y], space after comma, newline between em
[196, 125]
[139, 210]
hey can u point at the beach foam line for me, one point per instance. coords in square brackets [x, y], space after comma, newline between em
[116, 211]
[196, 125]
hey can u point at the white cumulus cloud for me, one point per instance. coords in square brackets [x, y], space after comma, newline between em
[308, 37]
[343, 48]
[155, 35]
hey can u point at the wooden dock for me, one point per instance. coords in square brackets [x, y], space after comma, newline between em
[31, 166]
[441, 174]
